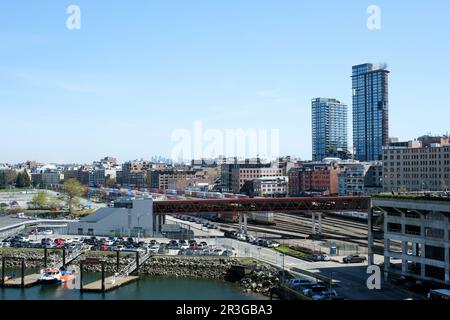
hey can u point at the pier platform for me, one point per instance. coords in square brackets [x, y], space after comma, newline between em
[111, 283]
[28, 281]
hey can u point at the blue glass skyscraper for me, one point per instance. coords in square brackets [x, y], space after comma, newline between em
[370, 111]
[329, 128]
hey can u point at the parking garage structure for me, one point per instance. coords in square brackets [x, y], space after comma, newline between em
[421, 226]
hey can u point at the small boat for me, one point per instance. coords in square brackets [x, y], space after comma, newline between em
[55, 276]
[50, 275]
[67, 275]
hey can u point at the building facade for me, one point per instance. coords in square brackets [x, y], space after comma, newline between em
[320, 179]
[419, 165]
[241, 175]
[329, 128]
[360, 178]
[370, 111]
[134, 173]
[170, 178]
[270, 187]
[128, 218]
[416, 232]
[229, 173]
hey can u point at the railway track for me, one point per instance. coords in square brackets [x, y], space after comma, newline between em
[299, 226]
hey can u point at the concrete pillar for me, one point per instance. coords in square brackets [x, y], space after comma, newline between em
[320, 222]
[370, 258]
[447, 263]
[158, 224]
[387, 259]
[422, 255]
[414, 249]
[404, 260]
[313, 227]
[240, 222]
[245, 224]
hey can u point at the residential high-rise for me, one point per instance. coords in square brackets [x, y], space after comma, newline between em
[329, 128]
[370, 111]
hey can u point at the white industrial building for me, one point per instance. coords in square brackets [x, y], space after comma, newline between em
[128, 218]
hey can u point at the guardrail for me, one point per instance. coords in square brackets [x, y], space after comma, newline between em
[133, 265]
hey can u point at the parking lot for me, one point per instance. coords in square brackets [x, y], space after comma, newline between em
[45, 239]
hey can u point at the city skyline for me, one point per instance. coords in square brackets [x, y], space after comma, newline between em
[123, 88]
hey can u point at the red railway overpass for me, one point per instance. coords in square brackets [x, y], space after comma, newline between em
[287, 205]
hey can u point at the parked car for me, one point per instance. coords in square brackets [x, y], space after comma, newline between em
[46, 232]
[184, 246]
[241, 237]
[217, 252]
[354, 259]
[325, 295]
[297, 283]
[70, 246]
[250, 239]
[272, 244]
[319, 257]
[193, 246]
[229, 253]
[59, 242]
[314, 290]
[173, 244]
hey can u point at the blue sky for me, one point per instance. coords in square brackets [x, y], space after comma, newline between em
[138, 70]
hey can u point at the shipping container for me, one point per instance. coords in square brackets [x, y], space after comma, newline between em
[262, 217]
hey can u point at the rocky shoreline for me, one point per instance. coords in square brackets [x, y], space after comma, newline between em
[251, 275]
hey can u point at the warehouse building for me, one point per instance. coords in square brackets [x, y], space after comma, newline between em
[128, 218]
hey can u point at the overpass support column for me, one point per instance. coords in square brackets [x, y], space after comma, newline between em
[320, 222]
[245, 224]
[313, 227]
[240, 222]
[158, 224]
[370, 257]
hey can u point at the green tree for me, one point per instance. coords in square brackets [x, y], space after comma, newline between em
[40, 200]
[110, 181]
[7, 178]
[23, 180]
[72, 189]
[54, 203]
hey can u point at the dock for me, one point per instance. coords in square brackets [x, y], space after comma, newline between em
[120, 278]
[28, 281]
[110, 283]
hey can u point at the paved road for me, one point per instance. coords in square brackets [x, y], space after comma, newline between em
[350, 279]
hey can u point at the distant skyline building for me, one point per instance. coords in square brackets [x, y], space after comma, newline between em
[329, 128]
[370, 111]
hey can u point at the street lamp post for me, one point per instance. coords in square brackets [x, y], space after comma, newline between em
[283, 269]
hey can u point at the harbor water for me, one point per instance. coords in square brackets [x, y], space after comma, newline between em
[146, 288]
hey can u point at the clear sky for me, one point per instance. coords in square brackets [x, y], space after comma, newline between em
[138, 70]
